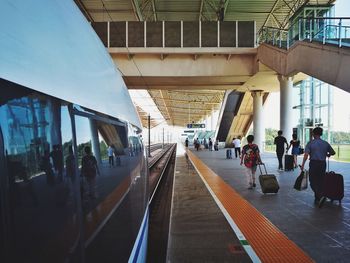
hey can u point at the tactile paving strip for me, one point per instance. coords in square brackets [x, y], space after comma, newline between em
[268, 242]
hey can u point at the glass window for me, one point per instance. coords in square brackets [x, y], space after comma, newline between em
[116, 187]
[43, 208]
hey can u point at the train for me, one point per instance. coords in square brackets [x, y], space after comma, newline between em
[73, 167]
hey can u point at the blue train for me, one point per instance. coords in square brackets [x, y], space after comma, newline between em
[73, 170]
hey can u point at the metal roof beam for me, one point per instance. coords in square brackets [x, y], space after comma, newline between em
[271, 11]
[200, 10]
[154, 10]
[83, 8]
[137, 11]
[186, 101]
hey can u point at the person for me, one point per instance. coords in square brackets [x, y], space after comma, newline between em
[250, 158]
[70, 164]
[237, 145]
[317, 149]
[210, 144]
[280, 141]
[110, 152]
[295, 144]
[197, 144]
[216, 145]
[186, 142]
[89, 169]
[57, 159]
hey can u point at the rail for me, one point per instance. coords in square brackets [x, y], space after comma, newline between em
[325, 30]
[157, 171]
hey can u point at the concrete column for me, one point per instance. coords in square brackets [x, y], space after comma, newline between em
[258, 119]
[94, 141]
[286, 106]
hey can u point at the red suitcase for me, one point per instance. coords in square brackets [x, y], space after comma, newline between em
[333, 186]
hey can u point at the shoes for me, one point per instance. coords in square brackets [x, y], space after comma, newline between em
[254, 185]
[322, 200]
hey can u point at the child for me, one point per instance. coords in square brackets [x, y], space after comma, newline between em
[250, 157]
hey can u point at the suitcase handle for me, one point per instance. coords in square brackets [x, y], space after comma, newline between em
[262, 164]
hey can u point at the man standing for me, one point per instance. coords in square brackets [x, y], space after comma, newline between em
[237, 144]
[280, 141]
[318, 150]
[110, 152]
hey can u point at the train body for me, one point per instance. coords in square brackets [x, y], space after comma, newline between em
[73, 169]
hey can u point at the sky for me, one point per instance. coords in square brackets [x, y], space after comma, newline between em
[341, 114]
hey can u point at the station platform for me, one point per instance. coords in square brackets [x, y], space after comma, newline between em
[246, 225]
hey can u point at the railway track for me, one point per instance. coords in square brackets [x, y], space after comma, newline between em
[160, 184]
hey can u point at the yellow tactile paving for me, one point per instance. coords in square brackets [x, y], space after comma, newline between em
[268, 242]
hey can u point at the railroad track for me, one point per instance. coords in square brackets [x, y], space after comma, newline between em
[160, 184]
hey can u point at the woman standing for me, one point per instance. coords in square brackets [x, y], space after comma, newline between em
[295, 144]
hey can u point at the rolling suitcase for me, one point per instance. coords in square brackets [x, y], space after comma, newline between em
[228, 154]
[288, 162]
[333, 185]
[268, 182]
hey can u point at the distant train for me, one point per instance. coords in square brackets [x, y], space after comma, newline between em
[73, 170]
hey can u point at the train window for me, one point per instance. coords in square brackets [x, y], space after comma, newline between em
[37, 139]
[115, 189]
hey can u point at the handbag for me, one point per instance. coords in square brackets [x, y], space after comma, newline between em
[301, 150]
[301, 181]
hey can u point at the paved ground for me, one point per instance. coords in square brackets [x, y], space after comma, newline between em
[323, 233]
[199, 231]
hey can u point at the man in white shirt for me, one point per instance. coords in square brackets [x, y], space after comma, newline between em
[110, 152]
[237, 145]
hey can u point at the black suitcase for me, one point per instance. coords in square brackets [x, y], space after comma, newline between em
[333, 186]
[228, 154]
[288, 162]
[268, 182]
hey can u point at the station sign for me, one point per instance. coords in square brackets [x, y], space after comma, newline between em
[195, 125]
[189, 131]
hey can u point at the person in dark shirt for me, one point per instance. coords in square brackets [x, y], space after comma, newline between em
[280, 141]
[295, 144]
[318, 150]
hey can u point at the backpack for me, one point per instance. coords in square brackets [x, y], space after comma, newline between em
[89, 166]
[250, 157]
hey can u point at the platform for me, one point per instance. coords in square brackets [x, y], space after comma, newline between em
[319, 234]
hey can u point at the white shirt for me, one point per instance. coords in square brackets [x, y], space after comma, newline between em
[237, 143]
[110, 151]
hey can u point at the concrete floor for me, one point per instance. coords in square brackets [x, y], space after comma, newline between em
[199, 231]
[323, 233]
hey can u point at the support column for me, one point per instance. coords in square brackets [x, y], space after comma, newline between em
[286, 106]
[258, 119]
[94, 141]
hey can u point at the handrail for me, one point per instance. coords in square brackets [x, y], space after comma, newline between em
[330, 30]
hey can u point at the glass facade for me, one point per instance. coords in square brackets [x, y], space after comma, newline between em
[314, 108]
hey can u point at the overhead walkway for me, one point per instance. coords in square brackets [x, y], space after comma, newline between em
[327, 62]
[322, 52]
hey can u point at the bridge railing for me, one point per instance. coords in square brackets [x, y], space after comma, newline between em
[326, 30]
[176, 34]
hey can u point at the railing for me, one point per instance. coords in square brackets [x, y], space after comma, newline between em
[326, 30]
[176, 34]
